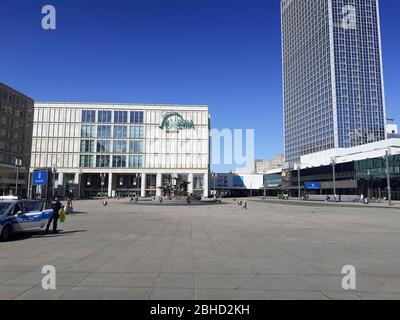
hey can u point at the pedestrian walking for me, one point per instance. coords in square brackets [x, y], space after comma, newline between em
[245, 205]
[69, 208]
[56, 205]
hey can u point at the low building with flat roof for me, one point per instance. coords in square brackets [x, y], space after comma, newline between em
[99, 149]
[350, 173]
[236, 184]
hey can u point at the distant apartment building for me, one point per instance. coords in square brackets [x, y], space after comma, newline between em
[276, 162]
[392, 130]
[262, 166]
[333, 84]
[16, 123]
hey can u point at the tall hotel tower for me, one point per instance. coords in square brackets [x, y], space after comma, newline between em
[332, 75]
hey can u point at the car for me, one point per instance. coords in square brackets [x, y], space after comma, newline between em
[17, 216]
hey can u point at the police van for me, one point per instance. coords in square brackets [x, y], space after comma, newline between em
[17, 215]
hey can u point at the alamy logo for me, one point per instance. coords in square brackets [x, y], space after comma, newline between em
[349, 21]
[349, 280]
[49, 280]
[49, 20]
[232, 147]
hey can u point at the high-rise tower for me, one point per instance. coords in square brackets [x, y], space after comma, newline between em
[332, 75]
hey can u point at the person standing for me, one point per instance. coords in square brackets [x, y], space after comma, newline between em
[245, 205]
[56, 206]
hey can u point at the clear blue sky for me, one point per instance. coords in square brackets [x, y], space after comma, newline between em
[224, 53]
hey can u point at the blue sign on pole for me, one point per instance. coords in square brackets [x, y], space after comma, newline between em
[39, 178]
[313, 186]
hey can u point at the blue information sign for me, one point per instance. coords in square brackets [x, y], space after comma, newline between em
[39, 178]
[313, 186]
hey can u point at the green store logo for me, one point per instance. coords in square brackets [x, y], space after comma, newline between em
[174, 122]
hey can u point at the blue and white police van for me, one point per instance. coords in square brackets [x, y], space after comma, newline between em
[17, 215]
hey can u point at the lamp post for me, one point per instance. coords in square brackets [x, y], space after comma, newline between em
[18, 164]
[102, 177]
[334, 177]
[264, 185]
[389, 189]
[135, 183]
[298, 181]
[80, 180]
[214, 175]
[54, 180]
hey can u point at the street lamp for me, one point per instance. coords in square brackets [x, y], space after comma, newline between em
[388, 179]
[54, 179]
[102, 177]
[135, 183]
[213, 176]
[18, 164]
[334, 177]
[264, 185]
[298, 181]
[80, 180]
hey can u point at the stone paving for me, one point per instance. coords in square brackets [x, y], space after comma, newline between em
[270, 251]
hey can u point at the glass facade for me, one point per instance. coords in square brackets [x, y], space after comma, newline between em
[115, 149]
[119, 162]
[64, 133]
[87, 161]
[104, 116]
[87, 146]
[198, 182]
[359, 83]
[137, 132]
[135, 161]
[119, 146]
[137, 117]
[332, 75]
[273, 180]
[104, 131]
[102, 161]
[112, 138]
[88, 131]
[103, 146]
[120, 132]
[88, 116]
[120, 116]
[376, 168]
[136, 146]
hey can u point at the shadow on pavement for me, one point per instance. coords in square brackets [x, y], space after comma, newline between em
[40, 234]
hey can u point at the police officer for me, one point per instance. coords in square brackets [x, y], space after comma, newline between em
[56, 206]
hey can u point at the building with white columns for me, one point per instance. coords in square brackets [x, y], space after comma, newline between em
[121, 149]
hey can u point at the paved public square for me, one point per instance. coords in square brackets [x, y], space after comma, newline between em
[270, 251]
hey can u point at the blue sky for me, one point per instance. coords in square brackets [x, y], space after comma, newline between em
[224, 53]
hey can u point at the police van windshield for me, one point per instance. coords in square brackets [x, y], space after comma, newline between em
[4, 207]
